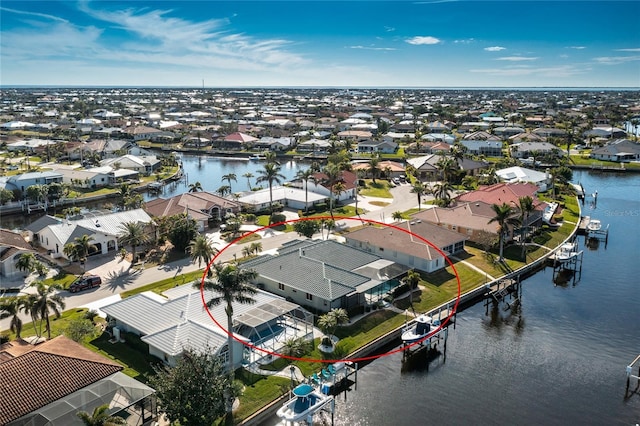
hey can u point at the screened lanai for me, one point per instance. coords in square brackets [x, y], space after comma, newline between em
[125, 396]
[270, 325]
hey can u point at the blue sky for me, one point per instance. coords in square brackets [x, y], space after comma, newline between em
[321, 43]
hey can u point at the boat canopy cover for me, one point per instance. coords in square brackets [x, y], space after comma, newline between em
[303, 389]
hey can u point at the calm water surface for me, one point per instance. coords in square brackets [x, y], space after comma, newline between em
[209, 171]
[560, 360]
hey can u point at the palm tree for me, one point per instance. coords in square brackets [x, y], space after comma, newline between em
[442, 192]
[83, 245]
[255, 247]
[372, 166]
[195, 187]
[295, 347]
[504, 218]
[100, 417]
[248, 175]
[331, 320]
[270, 173]
[397, 215]
[333, 174]
[223, 190]
[306, 176]
[419, 190]
[47, 300]
[26, 262]
[411, 279]
[447, 166]
[10, 307]
[231, 284]
[526, 207]
[133, 233]
[230, 177]
[202, 250]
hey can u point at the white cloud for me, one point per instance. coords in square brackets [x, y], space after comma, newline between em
[39, 15]
[370, 48]
[465, 41]
[576, 47]
[494, 48]
[636, 49]
[615, 60]
[423, 40]
[525, 70]
[158, 39]
[389, 29]
[517, 58]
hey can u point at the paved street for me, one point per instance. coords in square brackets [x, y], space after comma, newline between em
[117, 277]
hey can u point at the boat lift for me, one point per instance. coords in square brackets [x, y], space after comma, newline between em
[630, 376]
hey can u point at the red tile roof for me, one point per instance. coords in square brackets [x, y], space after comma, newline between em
[46, 373]
[503, 193]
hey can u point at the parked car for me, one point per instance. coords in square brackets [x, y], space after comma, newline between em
[84, 283]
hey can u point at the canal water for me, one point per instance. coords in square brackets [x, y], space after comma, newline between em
[559, 360]
[210, 170]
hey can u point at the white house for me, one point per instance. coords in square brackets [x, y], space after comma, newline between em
[53, 233]
[169, 325]
[144, 164]
[521, 174]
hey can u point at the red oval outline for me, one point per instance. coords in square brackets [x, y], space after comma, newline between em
[329, 361]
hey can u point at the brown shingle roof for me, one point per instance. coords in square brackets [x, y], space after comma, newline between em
[46, 373]
[13, 239]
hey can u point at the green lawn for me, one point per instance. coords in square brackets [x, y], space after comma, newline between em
[378, 189]
[258, 390]
[166, 284]
[58, 325]
[133, 354]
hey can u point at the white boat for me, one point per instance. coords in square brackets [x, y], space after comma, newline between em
[594, 226]
[257, 157]
[306, 400]
[423, 326]
[567, 251]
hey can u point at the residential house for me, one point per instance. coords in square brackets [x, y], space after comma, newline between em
[427, 166]
[144, 165]
[274, 144]
[53, 233]
[357, 135]
[414, 244]
[324, 274]
[526, 137]
[314, 145]
[80, 178]
[469, 219]
[527, 149]
[386, 169]
[549, 132]
[481, 135]
[288, 196]
[374, 146]
[520, 174]
[621, 150]
[203, 207]
[49, 383]
[489, 148]
[505, 193]
[320, 185]
[139, 133]
[608, 132]
[180, 320]
[237, 141]
[507, 131]
[12, 246]
[23, 181]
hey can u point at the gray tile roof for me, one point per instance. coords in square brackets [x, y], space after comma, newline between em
[321, 268]
[173, 324]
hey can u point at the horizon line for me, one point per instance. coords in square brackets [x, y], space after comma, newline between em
[348, 87]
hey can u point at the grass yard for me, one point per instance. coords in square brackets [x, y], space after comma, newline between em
[258, 390]
[58, 325]
[166, 284]
[378, 189]
[133, 354]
